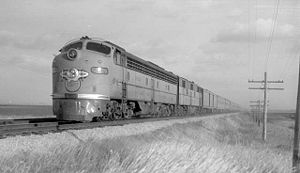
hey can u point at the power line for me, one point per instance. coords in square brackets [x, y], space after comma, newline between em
[255, 38]
[290, 56]
[249, 35]
[272, 35]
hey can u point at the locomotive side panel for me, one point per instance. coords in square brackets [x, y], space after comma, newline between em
[196, 99]
[206, 98]
[200, 93]
[216, 101]
[211, 99]
[130, 81]
[149, 82]
[184, 93]
[191, 93]
[219, 102]
[165, 92]
[117, 75]
[195, 95]
[143, 89]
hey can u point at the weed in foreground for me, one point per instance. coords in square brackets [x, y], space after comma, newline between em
[212, 146]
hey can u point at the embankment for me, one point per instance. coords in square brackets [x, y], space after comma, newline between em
[212, 144]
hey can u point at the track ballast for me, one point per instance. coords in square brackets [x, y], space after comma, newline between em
[14, 127]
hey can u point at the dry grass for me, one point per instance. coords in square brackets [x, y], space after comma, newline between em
[212, 145]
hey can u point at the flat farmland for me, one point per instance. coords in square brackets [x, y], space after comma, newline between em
[25, 111]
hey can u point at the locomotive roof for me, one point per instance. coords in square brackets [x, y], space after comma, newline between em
[206, 90]
[150, 64]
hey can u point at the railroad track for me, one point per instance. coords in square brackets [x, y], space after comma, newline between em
[27, 128]
[16, 127]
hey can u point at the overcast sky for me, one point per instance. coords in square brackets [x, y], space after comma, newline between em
[219, 44]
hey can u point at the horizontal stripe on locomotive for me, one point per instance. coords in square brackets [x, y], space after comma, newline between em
[80, 96]
[145, 101]
[189, 96]
[205, 106]
[155, 90]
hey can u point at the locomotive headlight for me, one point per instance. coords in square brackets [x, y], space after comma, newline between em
[99, 70]
[72, 54]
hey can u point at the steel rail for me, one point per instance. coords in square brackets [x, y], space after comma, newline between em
[38, 127]
[27, 128]
[27, 120]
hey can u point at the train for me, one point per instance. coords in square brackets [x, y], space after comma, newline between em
[96, 80]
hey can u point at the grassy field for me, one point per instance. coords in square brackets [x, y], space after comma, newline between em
[213, 145]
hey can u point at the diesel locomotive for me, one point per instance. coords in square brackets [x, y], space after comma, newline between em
[94, 79]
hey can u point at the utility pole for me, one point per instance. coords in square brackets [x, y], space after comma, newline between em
[265, 88]
[296, 155]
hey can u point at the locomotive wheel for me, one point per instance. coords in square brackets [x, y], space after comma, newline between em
[128, 113]
[163, 111]
[182, 111]
[158, 111]
[117, 115]
[111, 116]
[105, 116]
[178, 111]
[168, 111]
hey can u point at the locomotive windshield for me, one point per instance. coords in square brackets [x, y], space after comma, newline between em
[77, 45]
[98, 48]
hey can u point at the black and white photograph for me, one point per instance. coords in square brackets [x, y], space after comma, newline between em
[150, 86]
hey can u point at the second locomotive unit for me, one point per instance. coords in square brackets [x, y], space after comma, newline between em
[94, 79]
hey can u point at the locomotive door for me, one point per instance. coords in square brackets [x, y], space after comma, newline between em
[152, 90]
[152, 97]
[124, 78]
[118, 71]
[191, 97]
[124, 90]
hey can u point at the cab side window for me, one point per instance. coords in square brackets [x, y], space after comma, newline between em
[123, 59]
[118, 58]
[101, 48]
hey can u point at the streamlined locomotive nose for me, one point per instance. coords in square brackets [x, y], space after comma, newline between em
[80, 82]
